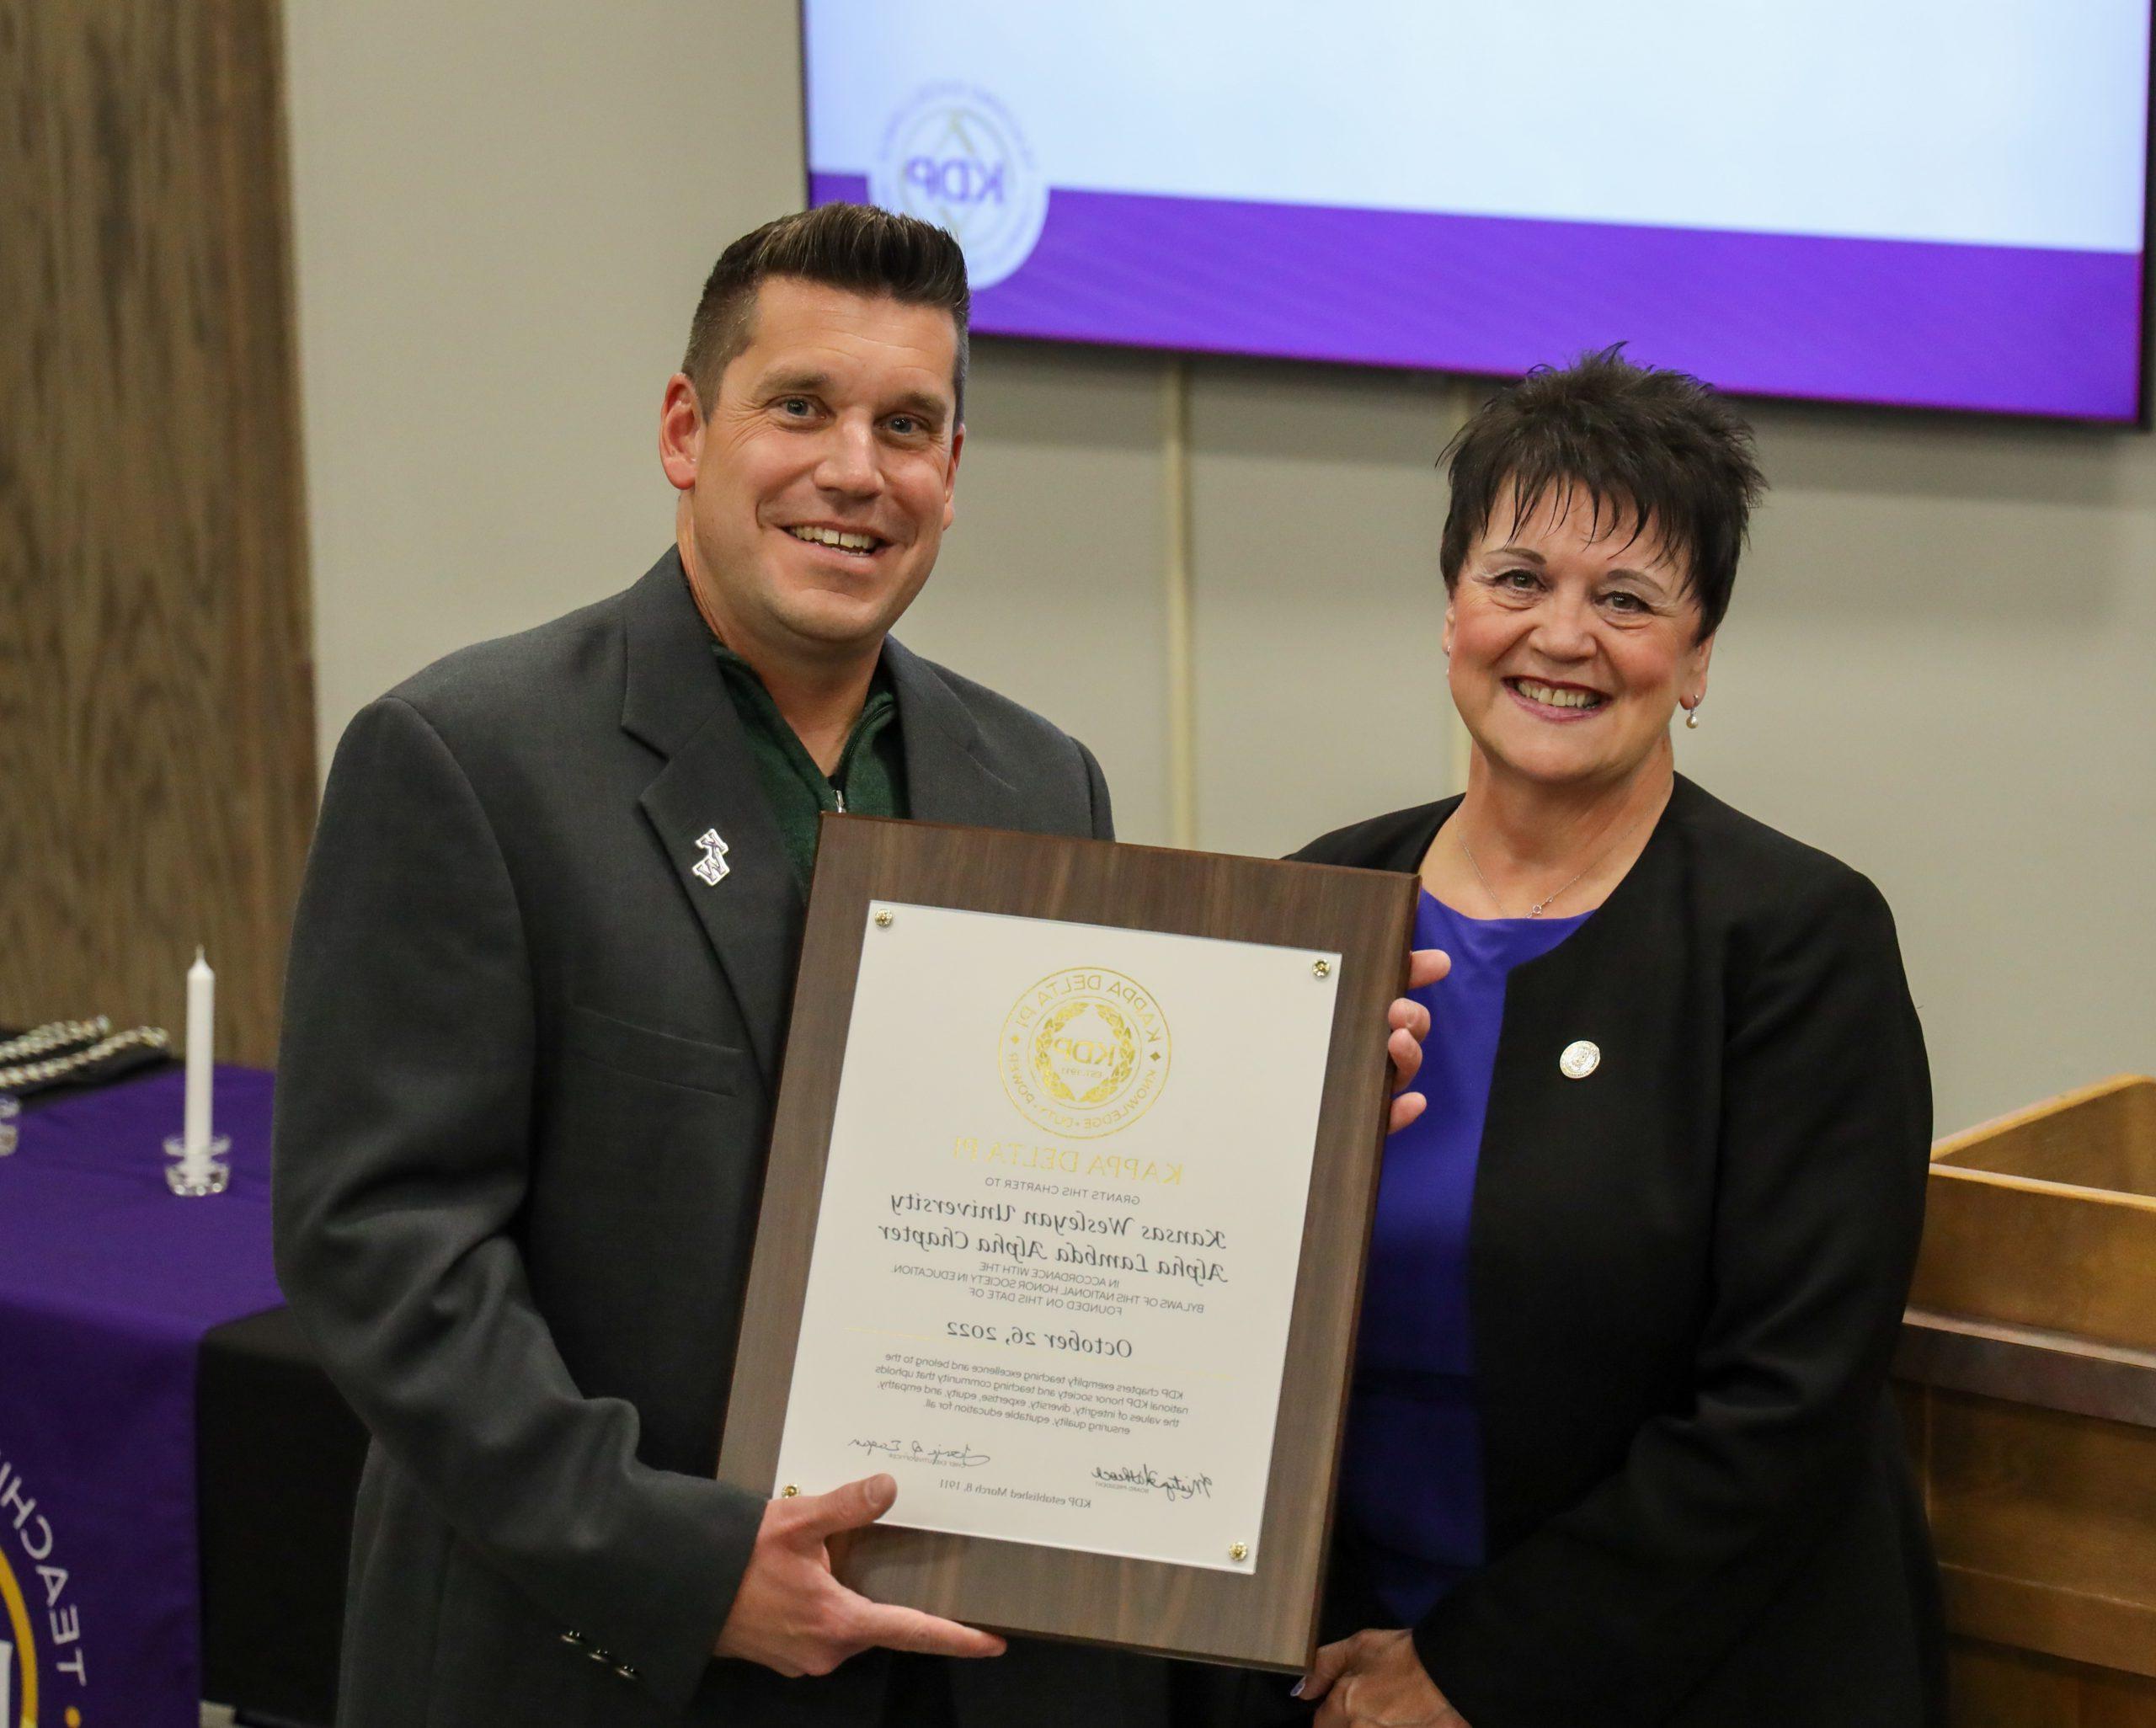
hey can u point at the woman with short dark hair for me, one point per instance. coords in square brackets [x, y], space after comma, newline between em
[1620, 1449]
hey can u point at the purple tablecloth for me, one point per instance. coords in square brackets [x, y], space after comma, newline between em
[108, 1283]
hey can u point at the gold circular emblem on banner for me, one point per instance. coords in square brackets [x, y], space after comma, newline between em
[15, 1617]
[1083, 1052]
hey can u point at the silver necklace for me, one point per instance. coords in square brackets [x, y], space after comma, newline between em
[53, 1035]
[55, 1068]
[1540, 906]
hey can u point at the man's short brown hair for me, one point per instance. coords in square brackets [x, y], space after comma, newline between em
[855, 247]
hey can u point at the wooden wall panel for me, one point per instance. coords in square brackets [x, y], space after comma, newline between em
[157, 770]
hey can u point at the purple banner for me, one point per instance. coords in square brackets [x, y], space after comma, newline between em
[108, 1283]
[1996, 328]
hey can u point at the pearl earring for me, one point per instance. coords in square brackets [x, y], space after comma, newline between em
[1692, 717]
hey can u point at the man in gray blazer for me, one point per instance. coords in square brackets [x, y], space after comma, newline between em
[539, 985]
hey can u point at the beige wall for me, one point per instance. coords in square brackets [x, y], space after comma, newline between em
[1938, 667]
[503, 214]
[1935, 668]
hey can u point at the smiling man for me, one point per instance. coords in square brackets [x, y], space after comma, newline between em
[539, 979]
[813, 433]
[532, 1031]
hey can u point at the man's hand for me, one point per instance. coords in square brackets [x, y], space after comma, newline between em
[792, 1615]
[1410, 1021]
[1375, 1680]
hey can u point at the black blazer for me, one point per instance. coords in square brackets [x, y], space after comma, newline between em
[1686, 1275]
[524, 1094]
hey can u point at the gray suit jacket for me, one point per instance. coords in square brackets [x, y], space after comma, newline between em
[526, 1082]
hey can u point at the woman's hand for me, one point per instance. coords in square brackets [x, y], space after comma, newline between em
[1410, 1021]
[1375, 1680]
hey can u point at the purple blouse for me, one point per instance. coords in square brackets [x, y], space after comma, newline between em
[1411, 1485]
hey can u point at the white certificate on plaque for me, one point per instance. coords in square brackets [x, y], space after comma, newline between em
[1061, 1221]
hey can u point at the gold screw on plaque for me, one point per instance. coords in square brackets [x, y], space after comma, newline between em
[1238, 1550]
[1318, 968]
[883, 919]
[788, 1492]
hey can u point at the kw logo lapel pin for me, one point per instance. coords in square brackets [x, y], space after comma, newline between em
[712, 866]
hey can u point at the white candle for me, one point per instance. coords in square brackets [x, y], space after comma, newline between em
[201, 1045]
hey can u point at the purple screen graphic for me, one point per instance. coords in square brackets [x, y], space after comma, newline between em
[2002, 329]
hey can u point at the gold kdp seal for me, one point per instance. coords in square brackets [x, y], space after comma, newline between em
[1084, 1053]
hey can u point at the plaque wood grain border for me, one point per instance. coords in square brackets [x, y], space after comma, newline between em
[1266, 1617]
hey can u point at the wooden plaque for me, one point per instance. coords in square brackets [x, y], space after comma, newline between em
[1265, 1616]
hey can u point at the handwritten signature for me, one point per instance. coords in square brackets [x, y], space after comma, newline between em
[956, 1458]
[1139, 1478]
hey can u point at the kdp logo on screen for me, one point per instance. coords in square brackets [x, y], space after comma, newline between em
[951, 155]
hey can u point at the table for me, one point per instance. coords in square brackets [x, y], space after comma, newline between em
[181, 1470]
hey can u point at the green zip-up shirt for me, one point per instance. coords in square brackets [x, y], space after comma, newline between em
[870, 777]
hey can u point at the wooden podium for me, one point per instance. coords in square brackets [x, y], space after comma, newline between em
[2027, 1377]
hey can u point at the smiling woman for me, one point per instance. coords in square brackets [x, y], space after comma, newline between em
[1619, 1450]
[1597, 515]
